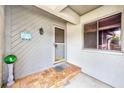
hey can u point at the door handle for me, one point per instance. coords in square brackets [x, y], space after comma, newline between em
[55, 45]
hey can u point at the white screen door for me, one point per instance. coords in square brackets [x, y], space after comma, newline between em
[59, 45]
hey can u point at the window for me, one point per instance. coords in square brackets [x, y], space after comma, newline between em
[90, 35]
[103, 34]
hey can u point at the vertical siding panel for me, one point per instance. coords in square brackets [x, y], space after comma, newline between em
[1, 40]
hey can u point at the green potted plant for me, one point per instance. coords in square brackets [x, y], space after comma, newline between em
[115, 40]
[114, 44]
[10, 60]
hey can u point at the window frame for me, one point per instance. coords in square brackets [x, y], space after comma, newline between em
[100, 50]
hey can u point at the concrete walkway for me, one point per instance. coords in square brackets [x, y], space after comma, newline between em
[84, 81]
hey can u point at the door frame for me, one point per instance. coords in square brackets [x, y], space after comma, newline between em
[65, 42]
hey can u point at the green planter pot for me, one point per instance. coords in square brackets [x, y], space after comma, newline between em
[10, 59]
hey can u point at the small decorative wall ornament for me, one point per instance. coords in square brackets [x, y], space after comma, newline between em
[10, 60]
[26, 35]
[41, 31]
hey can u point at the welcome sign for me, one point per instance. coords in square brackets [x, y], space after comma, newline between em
[26, 35]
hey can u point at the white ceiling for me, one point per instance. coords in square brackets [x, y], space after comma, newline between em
[82, 9]
[65, 12]
[53, 7]
[57, 8]
[79, 9]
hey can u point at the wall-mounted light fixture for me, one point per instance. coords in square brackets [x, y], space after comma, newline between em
[41, 31]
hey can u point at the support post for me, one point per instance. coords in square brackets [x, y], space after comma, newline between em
[10, 80]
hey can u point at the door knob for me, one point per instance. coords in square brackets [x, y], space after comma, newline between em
[55, 45]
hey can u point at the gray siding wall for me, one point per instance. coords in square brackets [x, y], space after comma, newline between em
[38, 53]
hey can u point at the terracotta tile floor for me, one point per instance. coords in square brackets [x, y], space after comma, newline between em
[49, 78]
